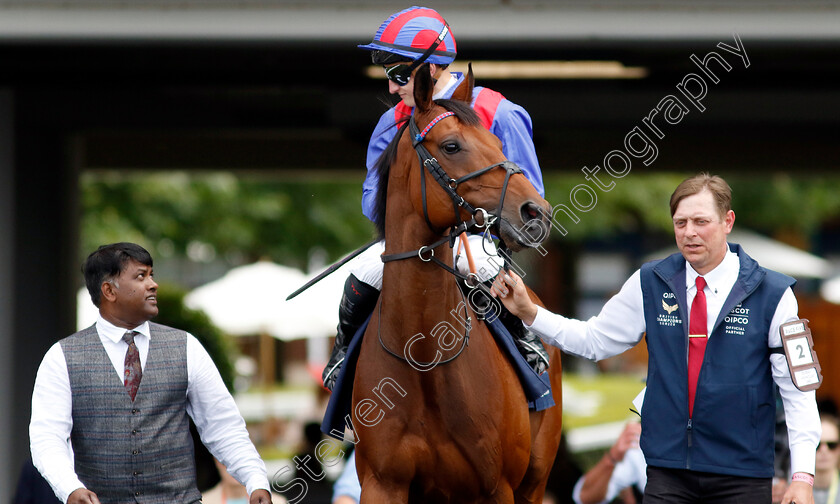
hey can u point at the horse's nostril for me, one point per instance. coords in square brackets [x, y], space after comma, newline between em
[534, 229]
[530, 211]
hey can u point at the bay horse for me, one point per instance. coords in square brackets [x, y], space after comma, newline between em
[438, 412]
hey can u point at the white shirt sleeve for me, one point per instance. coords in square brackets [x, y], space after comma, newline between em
[618, 327]
[801, 414]
[220, 425]
[628, 472]
[51, 423]
[347, 483]
[576, 490]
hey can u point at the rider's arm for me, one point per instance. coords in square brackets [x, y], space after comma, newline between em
[382, 135]
[512, 125]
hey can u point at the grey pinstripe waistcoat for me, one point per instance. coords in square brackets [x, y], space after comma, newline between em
[128, 451]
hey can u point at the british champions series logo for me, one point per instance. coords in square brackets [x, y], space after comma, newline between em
[669, 304]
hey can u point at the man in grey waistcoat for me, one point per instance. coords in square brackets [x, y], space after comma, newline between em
[110, 404]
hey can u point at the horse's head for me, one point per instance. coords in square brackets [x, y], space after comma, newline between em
[467, 163]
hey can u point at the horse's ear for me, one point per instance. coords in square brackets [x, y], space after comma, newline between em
[424, 88]
[465, 89]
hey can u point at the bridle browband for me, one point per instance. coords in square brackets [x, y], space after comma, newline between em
[450, 186]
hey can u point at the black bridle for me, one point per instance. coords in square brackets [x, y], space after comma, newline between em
[450, 186]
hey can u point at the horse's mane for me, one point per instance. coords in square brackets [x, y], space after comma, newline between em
[462, 111]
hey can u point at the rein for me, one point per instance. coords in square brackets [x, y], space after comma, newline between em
[427, 365]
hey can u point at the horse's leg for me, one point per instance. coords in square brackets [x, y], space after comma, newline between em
[376, 492]
[531, 490]
[545, 432]
[543, 451]
[503, 495]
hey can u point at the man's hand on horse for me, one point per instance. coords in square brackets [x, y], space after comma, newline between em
[260, 497]
[509, 287]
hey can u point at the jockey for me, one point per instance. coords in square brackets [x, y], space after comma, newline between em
[401, 45]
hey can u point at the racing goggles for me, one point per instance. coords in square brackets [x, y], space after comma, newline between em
[400, 74]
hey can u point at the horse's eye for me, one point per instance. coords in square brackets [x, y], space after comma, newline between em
[451, 147]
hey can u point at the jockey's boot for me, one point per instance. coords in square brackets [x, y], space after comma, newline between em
[528, 343]
[357, 303]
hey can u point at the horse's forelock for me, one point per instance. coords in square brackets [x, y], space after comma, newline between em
[462, 111]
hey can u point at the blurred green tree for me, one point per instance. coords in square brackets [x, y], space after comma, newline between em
[777, 204]
[236, 218]
[241, 219]
[172, 312]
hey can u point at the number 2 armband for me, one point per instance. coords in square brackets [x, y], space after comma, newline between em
[798, 347]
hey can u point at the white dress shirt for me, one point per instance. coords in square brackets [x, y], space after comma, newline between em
[210, 405]
[621, 325]
[629, 471]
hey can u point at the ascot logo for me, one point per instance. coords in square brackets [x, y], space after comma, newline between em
[737, 320]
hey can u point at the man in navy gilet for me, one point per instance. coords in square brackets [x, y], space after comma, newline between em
[104, 431]
[707, 418]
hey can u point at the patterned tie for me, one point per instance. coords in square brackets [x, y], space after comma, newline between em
[697, 339]
[133, 372]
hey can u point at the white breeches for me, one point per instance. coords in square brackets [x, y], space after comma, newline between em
[368, 265]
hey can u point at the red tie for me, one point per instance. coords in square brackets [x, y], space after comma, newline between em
[697, 339]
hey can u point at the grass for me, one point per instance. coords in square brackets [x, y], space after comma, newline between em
[609, 399]
[608, 396]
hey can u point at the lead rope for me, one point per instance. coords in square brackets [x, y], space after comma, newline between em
[465, 245]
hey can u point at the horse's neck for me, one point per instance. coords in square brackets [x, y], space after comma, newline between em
[414, 292]
[424, 289]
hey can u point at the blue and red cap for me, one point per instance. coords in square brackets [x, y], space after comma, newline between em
[411, 32]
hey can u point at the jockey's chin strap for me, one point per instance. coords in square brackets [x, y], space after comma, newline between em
[450, 186]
